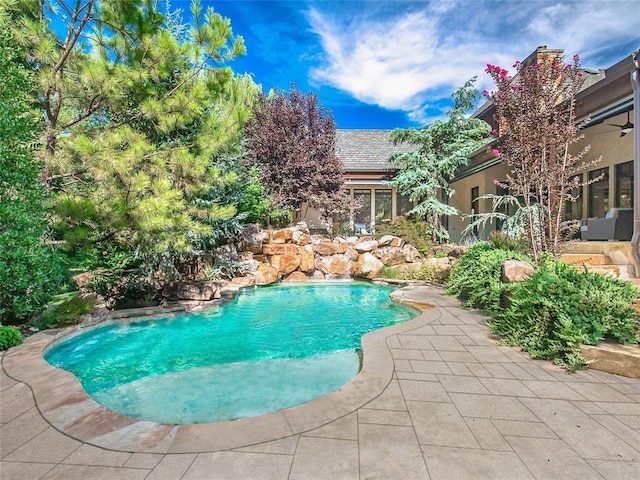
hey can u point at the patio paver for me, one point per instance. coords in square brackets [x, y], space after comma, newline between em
[437, 399]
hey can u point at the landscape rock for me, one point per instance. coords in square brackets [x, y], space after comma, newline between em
[353, 254]
[285, 264]
[331, 248]
[192, 291]
[317, 275]
[307, 258]
[366, 246]
[411, 254]
[283, 235]
[248, 281]
[516, 271]
[280, 249]
[367, 266]
[266, 274]
[251, 238]
[83, 279]
[296, 277]
[391, 240]
[334, 264]
[225, 254]
[390, 255]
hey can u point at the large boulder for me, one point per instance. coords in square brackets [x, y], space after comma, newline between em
[307, 258]
[225, 254]
[300, 234]
[192, 291]
[280, 249]
[367, 266]
[334, 264]
[411, 254]
[251, 238]
[285, 264]
[516, 271]
[283, 235]
[391, 241]
[296, 277]
[317, 275]
[390, 255]
[366, 246]
[331, 248]
[266, 274]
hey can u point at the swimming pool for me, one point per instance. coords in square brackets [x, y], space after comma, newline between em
[271, 348]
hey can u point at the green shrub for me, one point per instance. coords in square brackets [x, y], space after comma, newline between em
[9, 337]
[415, 232]
[426, 272]
[560, 307]
[476, 276]
[506, 242]
[66, 309]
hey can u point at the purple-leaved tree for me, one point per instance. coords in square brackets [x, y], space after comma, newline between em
[292, 141]
[535, 110]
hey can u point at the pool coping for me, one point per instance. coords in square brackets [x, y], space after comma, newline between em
[62, 401]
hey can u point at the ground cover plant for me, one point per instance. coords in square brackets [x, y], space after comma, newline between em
[476, 276]
[553, 312]
[9, 337]
[560, 307]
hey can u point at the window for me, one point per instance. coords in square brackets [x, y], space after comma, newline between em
[383, 206]
[624, 185]
[599, 192]
[501, 192]
[573, 209]
[475, 193]
[363, 216]
[404, 205]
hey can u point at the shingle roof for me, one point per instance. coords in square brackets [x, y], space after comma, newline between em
[367, 150]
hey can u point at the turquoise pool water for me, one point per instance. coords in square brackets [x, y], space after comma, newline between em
[271, 348]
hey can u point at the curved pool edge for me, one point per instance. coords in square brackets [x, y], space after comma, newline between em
[62, 401]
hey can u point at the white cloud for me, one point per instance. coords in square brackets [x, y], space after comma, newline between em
[419, 56]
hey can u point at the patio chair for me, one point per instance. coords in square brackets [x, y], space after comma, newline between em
[616, 225]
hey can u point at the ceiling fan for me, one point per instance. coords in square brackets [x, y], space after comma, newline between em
[626, 128]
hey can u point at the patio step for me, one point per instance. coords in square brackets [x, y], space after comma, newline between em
[599, 263]
[586, 258]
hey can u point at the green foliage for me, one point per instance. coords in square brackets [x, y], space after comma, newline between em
[505, 242]
[519, 223]
[65, 309]
[410, 229]
[426, 272]
[560, 307]
[476, 276]
[137, 107]
[442, 148]
[9, 337]
[29, 270]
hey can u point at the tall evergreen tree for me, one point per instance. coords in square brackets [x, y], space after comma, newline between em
[442, 148]
[29, 271]
[136, 106]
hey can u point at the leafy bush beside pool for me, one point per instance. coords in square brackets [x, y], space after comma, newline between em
[9, 337]
[553, 312]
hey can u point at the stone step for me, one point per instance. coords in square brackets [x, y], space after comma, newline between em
[586, 258]
[621, 272]
[613, 358]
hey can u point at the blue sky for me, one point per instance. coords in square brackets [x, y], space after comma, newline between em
[389, 64]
